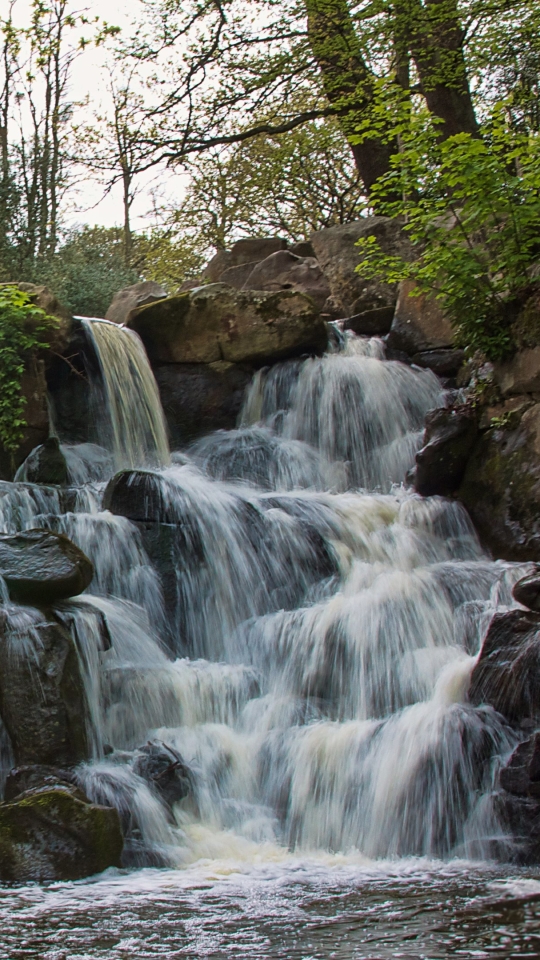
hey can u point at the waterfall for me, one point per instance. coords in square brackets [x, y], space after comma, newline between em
[137, 423]
[307, 661]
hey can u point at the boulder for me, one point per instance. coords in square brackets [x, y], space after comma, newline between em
[46, 464]
[521, 775]
[198, 398]
[128, 299]
[163, 768]
[521, 374]
[42, 697]
[527, 591]
[69, 376]
[419, 323]
[507, 673]
[449, 438]
[237, 276]
[40, 566]
[371, 323]
[58, 336]
[137, 495]
[220, 262]
[302, 249]
[501, 485]
[51, 834]
[36, 776]
[443, 362]
[216, 322]
[248, 250]
[339, 257]
[284, 270]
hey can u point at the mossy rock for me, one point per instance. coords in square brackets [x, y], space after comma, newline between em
[50, 834]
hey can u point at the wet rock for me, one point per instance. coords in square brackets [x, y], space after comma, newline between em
[216, 322]
[68, 384]
[128, 299]
[419, 323]
[527, 591]
[371, 323]
[137, 495]
[449, 438]
[198, 398]
[507, 673]
[45, 464]
[165, 771]
[51, 834]
[42, 697]
[284, 270]
[501, 485]
[38, 776]
[521, 775]
[521, 817]
[338, 258]
[40, 566]
[444, 362]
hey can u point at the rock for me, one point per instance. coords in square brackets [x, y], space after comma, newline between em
[521, 374]
[198, 398]
[164, 770]
[371, 323]
[303, 249]
[444, 362]
[58, 336]
[501, 485]
[527, 591]
[237, 276]
[36, 414]
[286, 271]
[419, 323]
[449, 438]
[128, 299]
[40, 566]
[249, 250]
[216, 322]
[220, 262]
[68, 384]
[50, 834]
[42, 697]
[507, 673]
[338, 258]
[521, 775]
[35, 777]
[45, 464]
[137, 495]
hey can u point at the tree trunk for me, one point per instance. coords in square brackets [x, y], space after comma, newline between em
[347, 81]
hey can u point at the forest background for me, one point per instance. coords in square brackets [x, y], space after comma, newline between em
[283, 117]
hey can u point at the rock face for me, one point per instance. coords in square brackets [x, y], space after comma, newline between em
[338, 258]
[198, 398]
[501, 485]
[138, 295]
[521, 775]
[371, 323]
[51, 834]
[216, 323]
[527, 591]
[36, 414]
[45, 464]
[419, 323]
[507, 674]
[521, 374]
[40, 566]
[449, 438]
[42, 698]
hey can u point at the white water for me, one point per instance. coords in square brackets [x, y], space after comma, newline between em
[324, 639]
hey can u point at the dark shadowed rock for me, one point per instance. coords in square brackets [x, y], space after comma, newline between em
[284, 270]
[371, 323]
[449, 437]
[198, 398]
[527, 591]
[302, 249]
[138, 495]
[128, 299]
[36, 414]
[165, 771]
[42, 697]
[507, 674]
[50, 834]
[521, 775]
[40, 566]
[216, 322]
[45, 464]
[37, 776]
[338, 258]
[256, 249]
[445, 363]
[501, 486]
[419, 323]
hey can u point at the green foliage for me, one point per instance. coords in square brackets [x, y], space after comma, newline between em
[471, 207]
[22, 330]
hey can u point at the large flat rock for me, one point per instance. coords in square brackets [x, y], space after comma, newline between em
[42, 567]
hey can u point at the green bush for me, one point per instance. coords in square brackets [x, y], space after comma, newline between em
[22, 331]
[471, 207]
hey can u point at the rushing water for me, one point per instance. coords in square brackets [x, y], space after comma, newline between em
[307, 659]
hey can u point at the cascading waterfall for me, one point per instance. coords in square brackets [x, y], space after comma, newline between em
[324, 636]
[137, 424]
